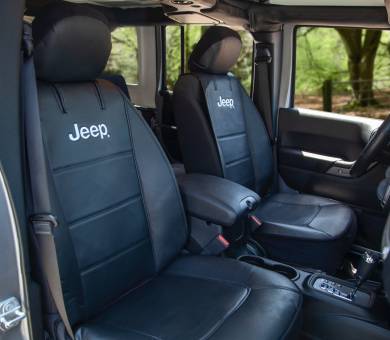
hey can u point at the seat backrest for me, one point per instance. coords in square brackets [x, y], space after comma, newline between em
[220, 130]
[114, 193]
[118, 80]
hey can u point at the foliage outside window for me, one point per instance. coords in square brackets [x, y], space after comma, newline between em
[343, 70]
[124, 54]
[242, 70]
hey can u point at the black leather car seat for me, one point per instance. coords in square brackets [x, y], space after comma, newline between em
[221, 133]
[122, 226]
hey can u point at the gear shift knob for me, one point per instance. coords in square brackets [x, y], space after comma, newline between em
[366, 266]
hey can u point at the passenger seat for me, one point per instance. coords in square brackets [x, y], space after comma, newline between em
[122, 227]
[221, 133]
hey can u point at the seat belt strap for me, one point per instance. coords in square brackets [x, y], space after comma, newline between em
[42, 221]
[263, 60]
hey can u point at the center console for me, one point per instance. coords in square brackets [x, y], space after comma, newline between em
[340, 289]
[217, 211]
[316, 283]
[326, 298]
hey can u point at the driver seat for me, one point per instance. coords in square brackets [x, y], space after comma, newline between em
[221, 133]
[121, 224]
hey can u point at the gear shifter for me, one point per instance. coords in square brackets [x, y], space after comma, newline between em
[367, 264]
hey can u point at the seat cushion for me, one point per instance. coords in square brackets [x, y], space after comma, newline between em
[307, 230]
[200, 297]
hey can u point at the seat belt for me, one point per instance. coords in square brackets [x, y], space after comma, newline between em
[263, 61]
[42, 221]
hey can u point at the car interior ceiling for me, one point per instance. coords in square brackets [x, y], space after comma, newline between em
[218, 212]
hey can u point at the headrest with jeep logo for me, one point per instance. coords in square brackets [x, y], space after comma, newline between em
[216, 52]
[72, 43]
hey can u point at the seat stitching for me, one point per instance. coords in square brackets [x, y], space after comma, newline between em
[294, 317]
[221, 321]
[249, 134]
[68, 167]
[280, 224]
[321, 231]
[297, 309]
[232, 135]
[113, 257]
[305, 204]
[125, 294]
[233, 283]
[145, 206]
[314, 216]
[104, 211]
[169, 167]
[307, 224]
[238, 161]
[207, 279]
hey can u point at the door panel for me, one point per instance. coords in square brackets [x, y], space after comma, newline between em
[312, 143]
[314, 148]
[13, 290]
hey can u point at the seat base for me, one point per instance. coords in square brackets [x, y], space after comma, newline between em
[200, 297]
[306, 230]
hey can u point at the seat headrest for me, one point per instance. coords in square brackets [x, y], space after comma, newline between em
[216, 52]
[72, 43]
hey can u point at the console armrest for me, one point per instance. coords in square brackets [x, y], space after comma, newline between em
[216, 199]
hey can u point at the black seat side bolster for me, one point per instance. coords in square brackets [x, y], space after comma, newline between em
[197, 143]
[119, 81]
[259, 143]
[162, 200]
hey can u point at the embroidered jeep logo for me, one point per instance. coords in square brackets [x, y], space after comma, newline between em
[93, 131]
[225, 102]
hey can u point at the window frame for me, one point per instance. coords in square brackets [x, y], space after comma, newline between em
[163, 87]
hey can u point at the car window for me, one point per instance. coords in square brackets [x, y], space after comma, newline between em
[192, 33]
[343, 70]
[124, 55]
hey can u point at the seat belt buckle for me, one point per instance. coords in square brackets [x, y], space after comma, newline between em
[255, 222]
[217, 246]
[223, 241]
[43, 223]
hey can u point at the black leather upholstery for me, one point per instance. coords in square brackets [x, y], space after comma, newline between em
[306, 230]
[239, 149]
[119, 81]
[217, 52]
[215, 199]
[221, 133]
[78, 51]
[200, 297]
[122, 225]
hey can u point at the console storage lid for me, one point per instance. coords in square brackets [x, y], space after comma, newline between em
[216, 199]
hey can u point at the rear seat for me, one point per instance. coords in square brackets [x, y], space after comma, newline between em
[122, 227]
